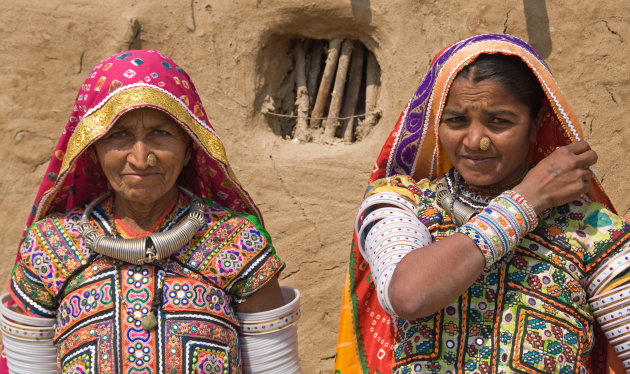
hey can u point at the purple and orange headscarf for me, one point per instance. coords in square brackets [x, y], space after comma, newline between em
[366, 335]
[122, 82]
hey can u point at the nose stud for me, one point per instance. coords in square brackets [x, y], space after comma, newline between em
[151, 159]
[484, 143]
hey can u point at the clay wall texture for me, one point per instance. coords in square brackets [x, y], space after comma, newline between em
[308, 193]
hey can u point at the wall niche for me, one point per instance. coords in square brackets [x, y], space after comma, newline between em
[317, 90]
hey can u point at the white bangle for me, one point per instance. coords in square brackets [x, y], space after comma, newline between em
[612, 308]
[611, 297]
[387, 229]
[608, 271]
[269, 339]
[27, 334]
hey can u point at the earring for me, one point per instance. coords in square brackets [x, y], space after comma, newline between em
[484, 143]
[151, 159]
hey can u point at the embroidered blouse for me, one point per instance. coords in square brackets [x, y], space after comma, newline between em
[98, 302]
[529, 312]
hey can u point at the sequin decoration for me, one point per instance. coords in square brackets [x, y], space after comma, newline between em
[103, 302]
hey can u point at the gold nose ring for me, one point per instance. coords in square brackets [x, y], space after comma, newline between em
[484, 143]
[151, 159]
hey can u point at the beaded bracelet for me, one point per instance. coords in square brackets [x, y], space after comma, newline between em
[498, 228]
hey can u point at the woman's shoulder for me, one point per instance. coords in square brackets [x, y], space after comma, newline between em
[218, 214]
[234, 251]
[583, 214]
[63, 224]
[404, 185]
[51, 248]
[586, 226]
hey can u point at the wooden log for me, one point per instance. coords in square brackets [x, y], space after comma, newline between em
[372, 113]
[300, 131]
[372, 81]
[315, 66]
[352, 92]
[332, 123]
[326, 82]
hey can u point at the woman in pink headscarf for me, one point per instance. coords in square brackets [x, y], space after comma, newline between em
[142, 246]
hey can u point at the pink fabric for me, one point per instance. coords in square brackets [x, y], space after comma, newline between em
[4, 369]
[83, 181]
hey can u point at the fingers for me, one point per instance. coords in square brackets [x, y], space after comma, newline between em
[585, 157]
[587, 175]
[578, 147]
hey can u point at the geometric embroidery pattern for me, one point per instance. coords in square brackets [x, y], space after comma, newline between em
[527, 313]
[548, 345]
[99, 302]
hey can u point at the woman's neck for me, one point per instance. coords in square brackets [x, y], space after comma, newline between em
[495, 189]
[141, 218]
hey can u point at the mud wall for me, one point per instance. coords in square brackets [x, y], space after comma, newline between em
[308, 193]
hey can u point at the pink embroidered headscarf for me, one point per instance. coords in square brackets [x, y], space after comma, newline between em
[122, 82]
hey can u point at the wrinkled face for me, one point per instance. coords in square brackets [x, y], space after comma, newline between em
[486, 108]
[123, 151]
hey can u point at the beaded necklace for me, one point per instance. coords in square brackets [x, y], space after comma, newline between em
[463, 201]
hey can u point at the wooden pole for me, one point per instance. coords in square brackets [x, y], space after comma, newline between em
[301, 99]
[352, 93]
[372, 80]
[332, 123]
[315, 66]
[372, 113]
[326, 82]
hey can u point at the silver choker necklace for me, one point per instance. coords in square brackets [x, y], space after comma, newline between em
[458, 211]
[157, 246]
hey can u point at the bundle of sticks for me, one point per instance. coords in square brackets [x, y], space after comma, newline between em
[327, 101]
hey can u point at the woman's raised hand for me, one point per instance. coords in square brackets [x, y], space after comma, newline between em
[559, 178]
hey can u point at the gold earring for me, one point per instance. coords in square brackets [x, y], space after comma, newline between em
[151, 159]
[484, 143]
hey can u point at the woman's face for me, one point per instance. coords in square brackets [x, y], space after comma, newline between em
[486, 108]
[123, 151]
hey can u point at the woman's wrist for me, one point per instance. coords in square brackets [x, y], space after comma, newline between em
[499, 227]
[535, 200]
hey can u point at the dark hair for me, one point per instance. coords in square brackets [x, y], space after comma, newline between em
[510, 71]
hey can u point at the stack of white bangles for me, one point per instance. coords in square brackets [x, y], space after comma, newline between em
[387, 228]
[269, 339]
[611, 307]
[27, 340]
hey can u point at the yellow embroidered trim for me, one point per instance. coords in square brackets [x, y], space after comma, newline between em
[97, 123]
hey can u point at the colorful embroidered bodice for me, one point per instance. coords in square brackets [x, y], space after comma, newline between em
[529, 313]
[99, 302]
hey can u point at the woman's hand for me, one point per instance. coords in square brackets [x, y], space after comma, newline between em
[559, 178]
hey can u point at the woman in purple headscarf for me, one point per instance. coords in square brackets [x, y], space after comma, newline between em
[485, 244]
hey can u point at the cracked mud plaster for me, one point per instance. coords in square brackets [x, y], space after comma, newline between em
[308, 195]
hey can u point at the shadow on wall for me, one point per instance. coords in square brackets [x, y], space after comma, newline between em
[537, 22]
[361, 10]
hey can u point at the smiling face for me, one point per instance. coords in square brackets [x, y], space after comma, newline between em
[123, 152]
[486, 108]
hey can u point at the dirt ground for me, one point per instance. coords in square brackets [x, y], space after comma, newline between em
[308, 193]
